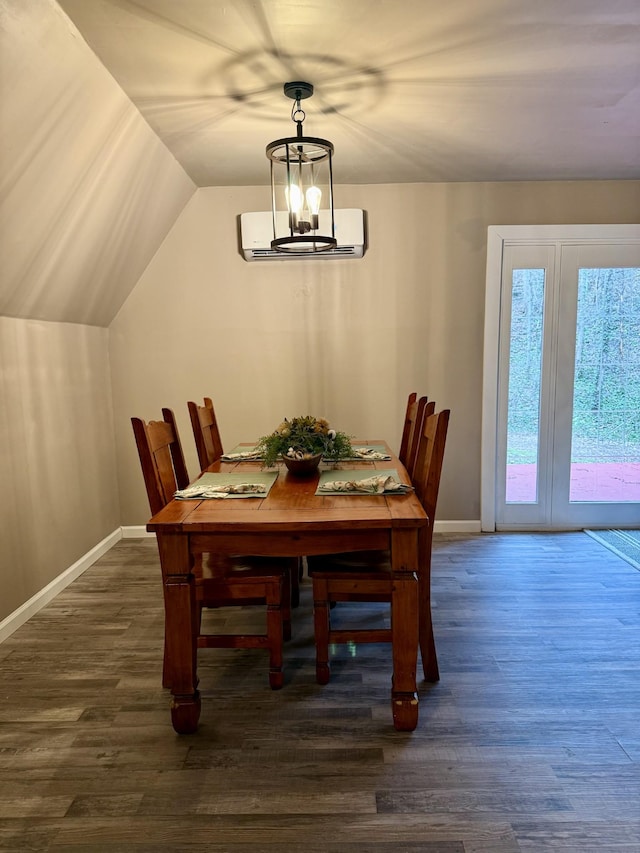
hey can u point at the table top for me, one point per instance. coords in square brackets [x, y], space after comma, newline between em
[292, 505]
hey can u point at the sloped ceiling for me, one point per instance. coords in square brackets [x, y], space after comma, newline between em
[88, 191]
[418, 90]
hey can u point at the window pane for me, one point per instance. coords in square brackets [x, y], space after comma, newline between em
[605, 441]
[525, 367]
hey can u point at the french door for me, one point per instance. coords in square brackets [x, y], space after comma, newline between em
[567, 383]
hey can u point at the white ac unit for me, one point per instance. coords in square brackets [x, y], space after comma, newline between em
[257, 233]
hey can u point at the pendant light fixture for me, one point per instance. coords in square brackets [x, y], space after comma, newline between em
[301, 186]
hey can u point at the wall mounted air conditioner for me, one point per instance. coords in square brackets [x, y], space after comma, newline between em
[257, 233]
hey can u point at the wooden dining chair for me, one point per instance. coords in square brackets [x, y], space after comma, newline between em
[205, 432]
[366, 575]
[413, 418]
[220, 581]
[209, 449]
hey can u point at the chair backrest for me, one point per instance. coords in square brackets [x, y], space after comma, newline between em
[161, 458]
[411, 430]
[429, 461]
[205, 432]
[409, 419]
[424, 408]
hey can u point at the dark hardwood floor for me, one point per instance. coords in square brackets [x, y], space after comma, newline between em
[530, 742]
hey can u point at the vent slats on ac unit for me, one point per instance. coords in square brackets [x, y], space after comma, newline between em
[339, 251]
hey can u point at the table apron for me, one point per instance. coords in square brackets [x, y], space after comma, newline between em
[299, 544]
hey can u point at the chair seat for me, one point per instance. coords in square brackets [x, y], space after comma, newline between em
[350, 561]
[352, 576]
[242, 567]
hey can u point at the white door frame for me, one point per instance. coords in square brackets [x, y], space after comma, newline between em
[498, 235]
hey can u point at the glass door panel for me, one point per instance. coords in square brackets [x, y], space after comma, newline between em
[596, 457]
[605, 434]
[524, 396]
[525, 374]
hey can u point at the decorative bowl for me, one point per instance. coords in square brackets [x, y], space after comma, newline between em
[303, 467]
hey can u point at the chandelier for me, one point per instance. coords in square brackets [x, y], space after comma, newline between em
[301, 186]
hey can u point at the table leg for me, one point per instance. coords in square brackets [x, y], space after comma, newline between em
[404, 627]
[181, 629]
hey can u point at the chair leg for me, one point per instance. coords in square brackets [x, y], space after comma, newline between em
[275, 633]
[321, 627]
[427, 639]
[429, 655]
[286, 607]
[295, 576]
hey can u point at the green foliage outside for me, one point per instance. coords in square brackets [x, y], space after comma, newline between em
[606, 402]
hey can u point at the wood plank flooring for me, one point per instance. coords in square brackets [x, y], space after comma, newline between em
[530, 742]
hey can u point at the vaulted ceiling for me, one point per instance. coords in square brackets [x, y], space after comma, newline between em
[112, 112]
[467, 90]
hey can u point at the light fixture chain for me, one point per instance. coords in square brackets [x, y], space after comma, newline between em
[297, 113]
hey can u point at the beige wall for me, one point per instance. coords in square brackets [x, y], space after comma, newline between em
[88, 194]
[345, 339]
[57, 455]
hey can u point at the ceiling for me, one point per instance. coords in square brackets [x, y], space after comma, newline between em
[465, 90]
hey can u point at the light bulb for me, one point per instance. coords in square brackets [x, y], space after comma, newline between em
[314, 196]
[294, 199]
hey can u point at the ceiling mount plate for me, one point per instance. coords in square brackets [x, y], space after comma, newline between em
[298, 91]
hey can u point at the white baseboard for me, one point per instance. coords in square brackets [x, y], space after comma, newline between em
[457, 527]
[14, 620]
[135, 531]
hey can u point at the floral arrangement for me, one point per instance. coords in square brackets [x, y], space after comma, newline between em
[301, 438]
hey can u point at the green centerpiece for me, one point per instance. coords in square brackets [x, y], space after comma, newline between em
[304, 439]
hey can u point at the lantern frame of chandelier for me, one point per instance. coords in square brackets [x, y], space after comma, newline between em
[300, 155]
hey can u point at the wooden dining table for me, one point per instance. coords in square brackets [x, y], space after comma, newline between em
[291, 521]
